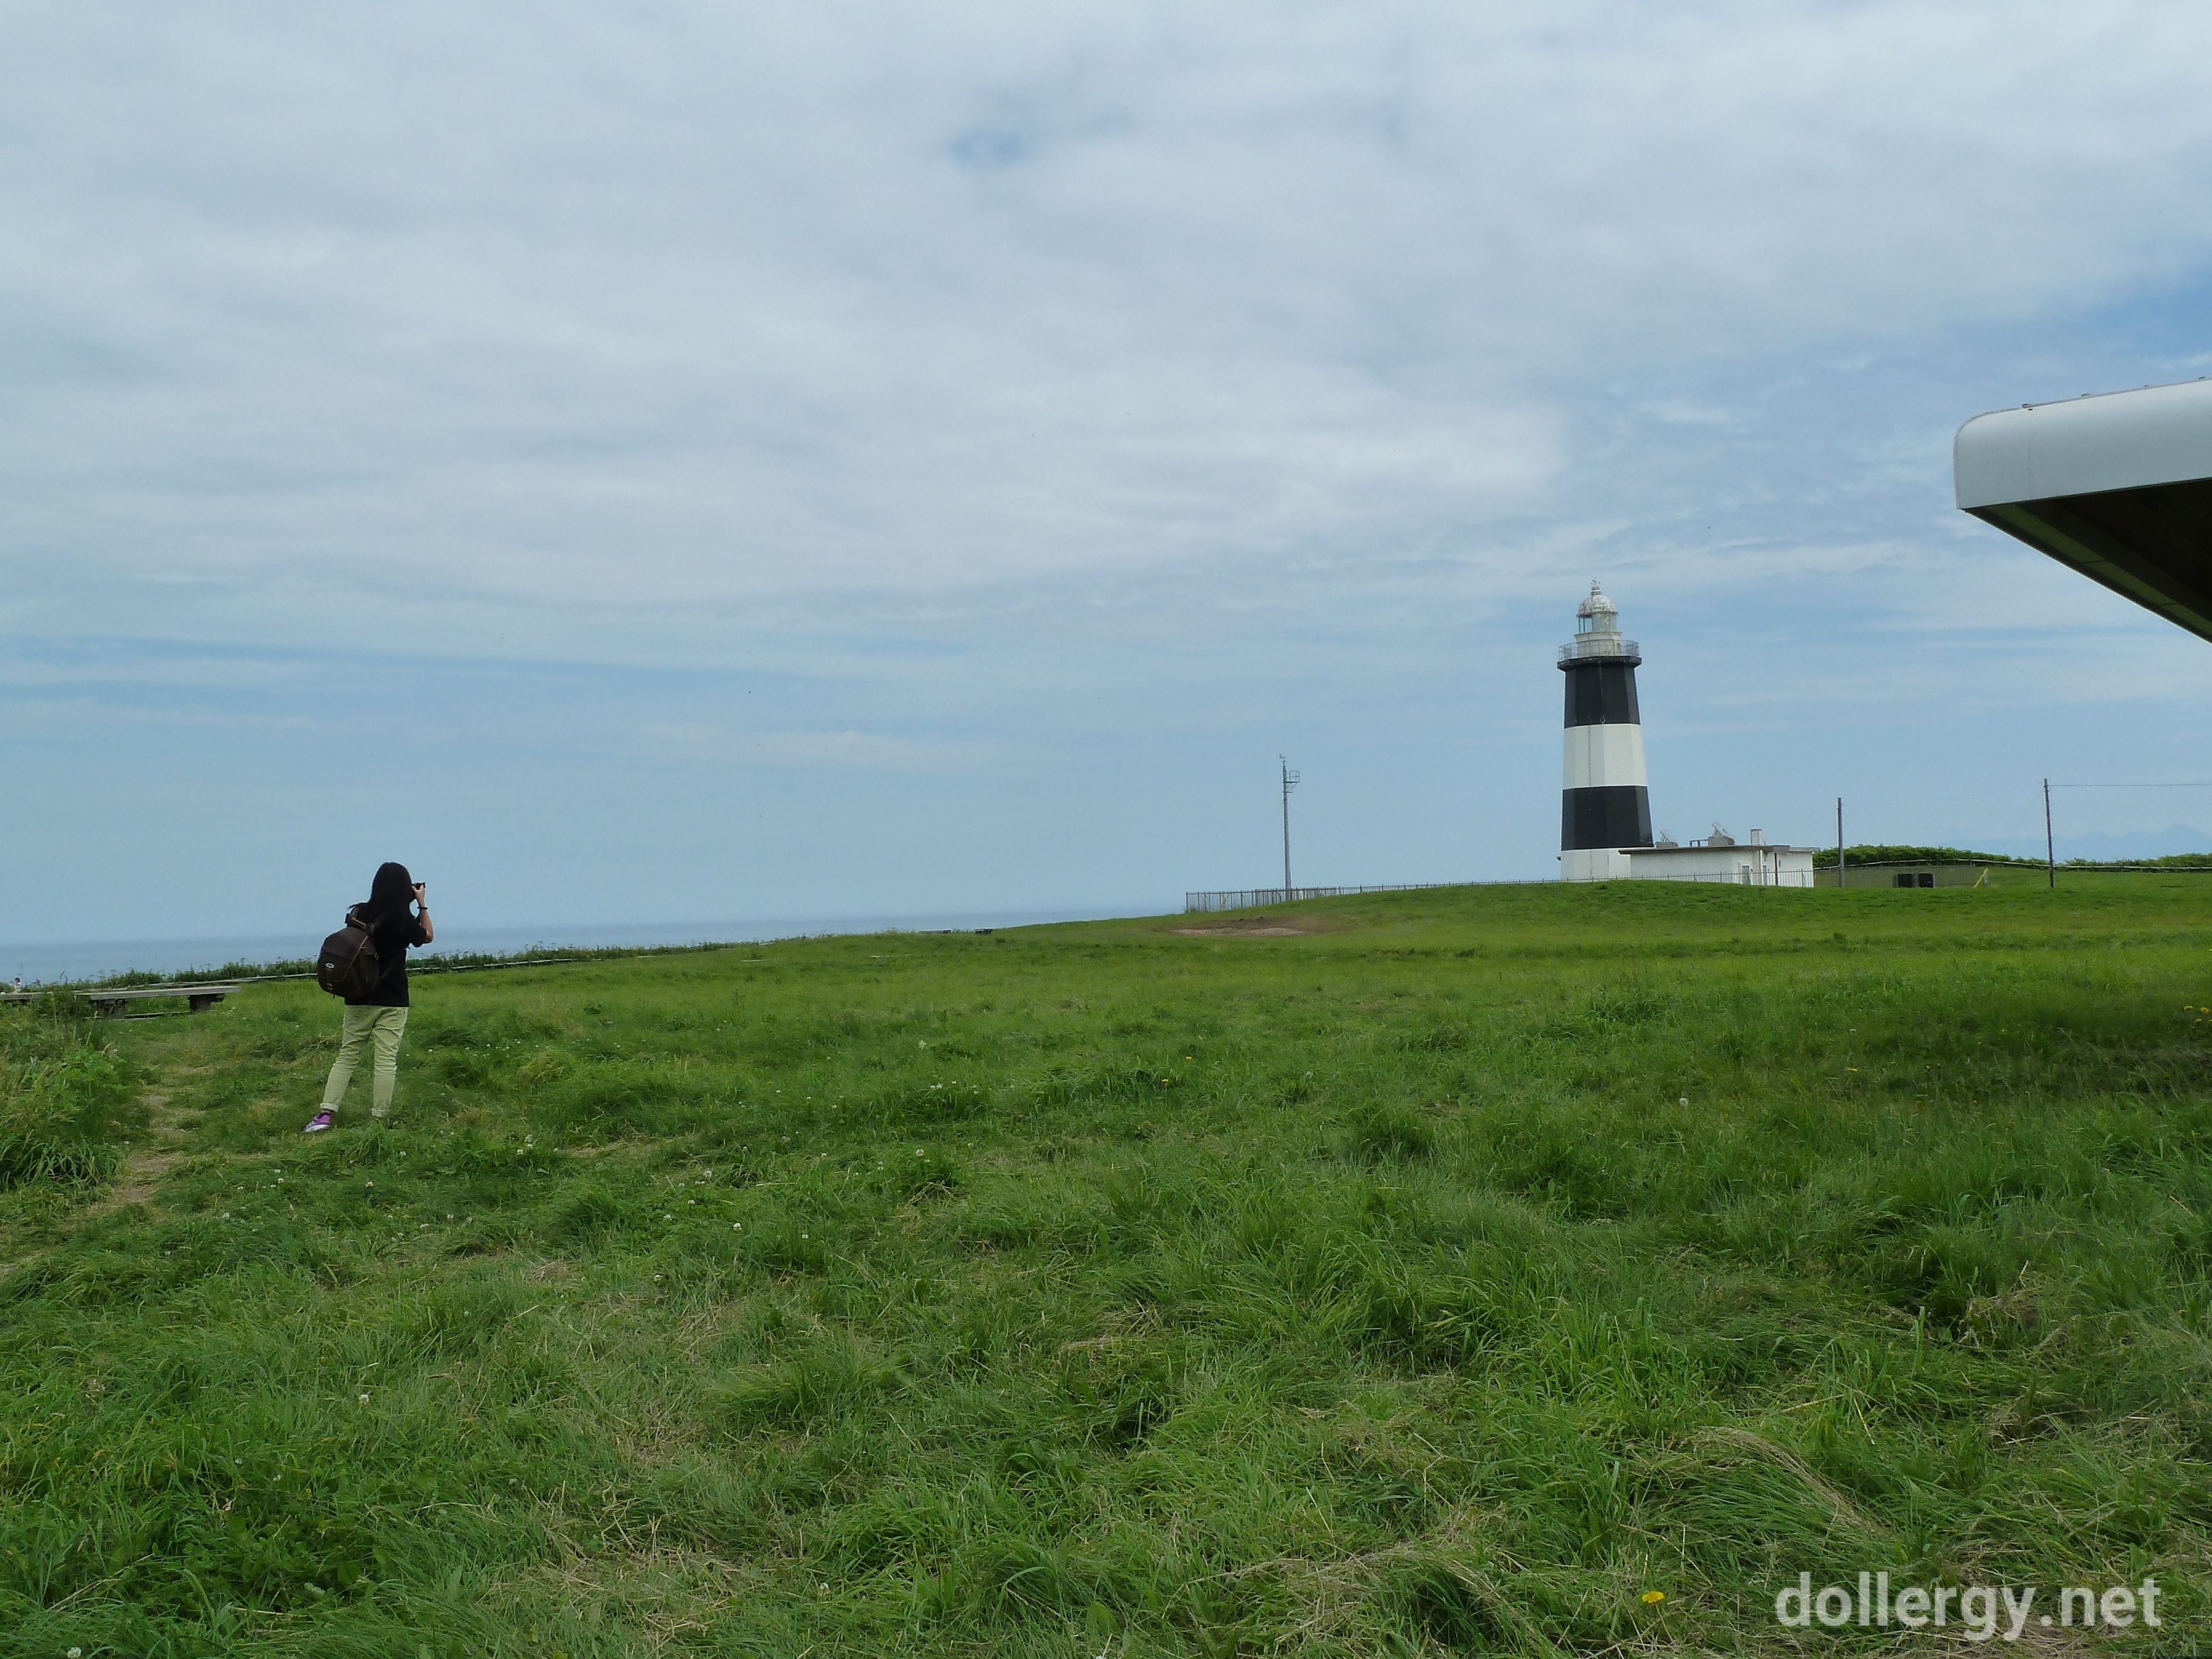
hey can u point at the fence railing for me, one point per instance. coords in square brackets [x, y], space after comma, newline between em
[1244, 898]
[1600, 647]
[2090, 868]
[1744, 876]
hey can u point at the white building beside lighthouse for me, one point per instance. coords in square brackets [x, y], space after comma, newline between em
[1605, 804]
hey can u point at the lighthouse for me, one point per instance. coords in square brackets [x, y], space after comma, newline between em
[1605, 805]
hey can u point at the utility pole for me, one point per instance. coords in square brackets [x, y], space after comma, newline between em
[1839, 840]
[2049, 847]
[1290, 782]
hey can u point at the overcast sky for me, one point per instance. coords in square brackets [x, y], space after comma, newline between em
[664, 462]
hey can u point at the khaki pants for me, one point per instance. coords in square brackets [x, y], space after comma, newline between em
[384, 1026]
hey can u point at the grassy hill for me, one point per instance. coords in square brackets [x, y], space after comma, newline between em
[1537, 1269]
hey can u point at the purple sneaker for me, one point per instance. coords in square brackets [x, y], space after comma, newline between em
[317, 1124]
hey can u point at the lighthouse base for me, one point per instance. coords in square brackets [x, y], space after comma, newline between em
[1594, 864]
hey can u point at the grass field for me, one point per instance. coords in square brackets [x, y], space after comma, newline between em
[1454, 1273]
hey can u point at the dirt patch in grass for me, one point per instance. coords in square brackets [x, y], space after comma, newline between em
[141, 1175]
[144, 1166]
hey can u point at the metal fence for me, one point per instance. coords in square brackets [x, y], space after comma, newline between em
[1600, 648]
[2033, 866]
[1245, 898]
[1250, 897]
[1748, 875]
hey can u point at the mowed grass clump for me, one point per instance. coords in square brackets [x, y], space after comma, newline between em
[1448, 1279]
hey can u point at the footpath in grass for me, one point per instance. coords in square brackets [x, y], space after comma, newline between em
[1535, 1270]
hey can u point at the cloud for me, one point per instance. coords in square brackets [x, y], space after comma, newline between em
[541, 319]
[91, 718]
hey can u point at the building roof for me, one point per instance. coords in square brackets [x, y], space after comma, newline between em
[2118, 486]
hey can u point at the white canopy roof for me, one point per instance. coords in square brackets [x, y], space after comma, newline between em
[2118, 440]
[2118, 486]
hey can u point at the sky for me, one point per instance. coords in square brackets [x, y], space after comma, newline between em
[659, 462]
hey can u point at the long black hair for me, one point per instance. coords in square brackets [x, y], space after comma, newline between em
[389, 893]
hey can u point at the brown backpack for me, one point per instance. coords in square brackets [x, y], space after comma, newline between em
[348, 966]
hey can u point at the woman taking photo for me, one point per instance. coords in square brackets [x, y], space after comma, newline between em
[398, 914]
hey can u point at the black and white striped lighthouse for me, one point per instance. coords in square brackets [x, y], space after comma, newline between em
[1605, 803]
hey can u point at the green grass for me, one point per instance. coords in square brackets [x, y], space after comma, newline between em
[1439, 1280]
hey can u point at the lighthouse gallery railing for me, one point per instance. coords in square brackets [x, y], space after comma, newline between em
[1600, 648]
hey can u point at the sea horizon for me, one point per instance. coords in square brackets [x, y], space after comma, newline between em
[70, 963]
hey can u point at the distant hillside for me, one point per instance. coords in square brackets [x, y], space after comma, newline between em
[2109, 846]
[2170, 862]
[1826, 857]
